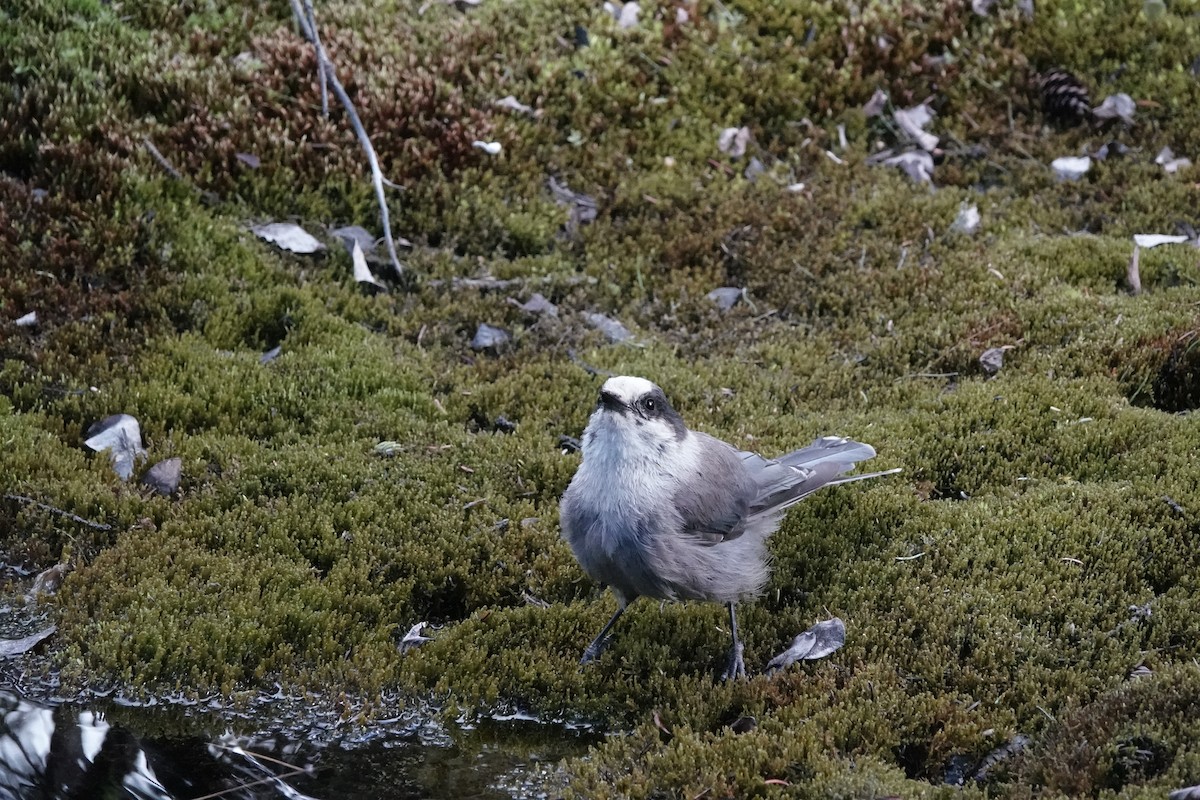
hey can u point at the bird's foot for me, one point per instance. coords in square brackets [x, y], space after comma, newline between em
[736, 667]
[594, 650]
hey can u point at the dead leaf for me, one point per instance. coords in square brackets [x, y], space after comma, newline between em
[164, 476]
[414, 638]
[288, 236]
[491, 148]
[875, 106]
[817, 642]
[270, 355]
[362, 273]
[249, 159]
[916, 164]
[27, 321]
[48, 581]
[732, 141]
[913, 121]
[967, 220]
[513, 104]
[1148, 240]
[1116, 106]
[121, 435]
[11, 648]
[537, 305]
[583, 207]
[1167, 160]
[488, 337]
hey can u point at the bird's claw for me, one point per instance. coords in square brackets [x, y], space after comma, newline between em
[736, 667]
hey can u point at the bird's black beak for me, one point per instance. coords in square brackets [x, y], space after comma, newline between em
[610, 402]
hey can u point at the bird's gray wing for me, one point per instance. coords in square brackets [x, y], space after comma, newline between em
[714, 502]
[785, 481]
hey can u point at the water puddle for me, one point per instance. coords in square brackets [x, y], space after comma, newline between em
[185, 750]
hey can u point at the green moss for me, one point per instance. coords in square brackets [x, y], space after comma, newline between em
[987, 589]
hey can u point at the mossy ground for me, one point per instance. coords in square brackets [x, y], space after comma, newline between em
[1044, 502]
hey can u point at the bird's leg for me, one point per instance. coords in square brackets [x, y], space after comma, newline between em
[601, 641]
[736, 667]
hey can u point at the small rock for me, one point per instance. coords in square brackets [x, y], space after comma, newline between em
[536, 305]
[1071, 168]
[732, 141]
[1116, 106]
[164, 476]
[726, 297]
[488, 337]
[992, 359]
[350, 234]
[121, 436]
[743, 724]
[753, 170]
[614, 330]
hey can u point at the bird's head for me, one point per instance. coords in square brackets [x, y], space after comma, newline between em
[633, 413]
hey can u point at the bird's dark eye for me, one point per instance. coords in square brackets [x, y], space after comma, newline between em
[649, 405]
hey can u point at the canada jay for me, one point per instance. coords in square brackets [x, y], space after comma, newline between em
[658, 510]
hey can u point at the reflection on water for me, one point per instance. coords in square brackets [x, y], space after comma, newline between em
[64, 752]
[67, 751]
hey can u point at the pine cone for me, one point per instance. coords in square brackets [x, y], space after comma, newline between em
[1064, 96]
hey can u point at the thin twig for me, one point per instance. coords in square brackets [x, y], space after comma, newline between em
[161, 159]
[1133, 274]
[926, 375]
[100, 526]
[586, 367]
[322, 76]
[364, 140]
[272, 779]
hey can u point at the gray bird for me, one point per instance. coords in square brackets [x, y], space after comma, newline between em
[657, 510]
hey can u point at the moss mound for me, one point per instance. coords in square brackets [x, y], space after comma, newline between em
[1039, 548]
